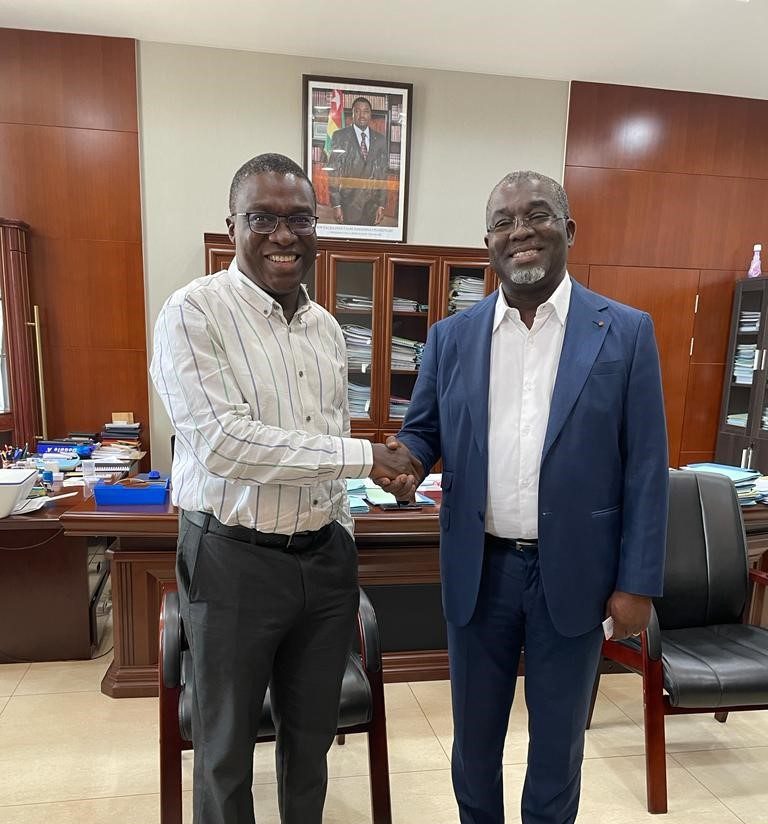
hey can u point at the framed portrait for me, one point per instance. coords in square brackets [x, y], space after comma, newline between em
[357, 136]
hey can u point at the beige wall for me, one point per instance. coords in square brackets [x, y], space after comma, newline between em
[203, 112]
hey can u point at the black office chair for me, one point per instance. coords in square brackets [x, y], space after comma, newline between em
[698, 647]
[361, 708]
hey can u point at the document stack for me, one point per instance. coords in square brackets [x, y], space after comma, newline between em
[356, 494]
[358, 340]
[406, 354]
[122, 434]
[408, 305]
[740, 418]
[356, 302]
[764, 423]
[464, 292]
[743, 363]
[743, 479]
[359, 397]
[398, 406]
[749, 321]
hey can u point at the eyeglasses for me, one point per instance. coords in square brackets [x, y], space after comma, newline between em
[263, 223]
[537, 220]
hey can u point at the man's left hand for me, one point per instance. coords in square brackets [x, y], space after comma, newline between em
[379, 216]
[630, 613]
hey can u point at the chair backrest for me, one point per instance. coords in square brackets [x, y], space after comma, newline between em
[705, 578]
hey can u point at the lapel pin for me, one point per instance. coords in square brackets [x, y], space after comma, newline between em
[599, 322]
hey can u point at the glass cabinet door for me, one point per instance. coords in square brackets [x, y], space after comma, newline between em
[747, 363]
[353, 281]
[465, 283]
[410, 300]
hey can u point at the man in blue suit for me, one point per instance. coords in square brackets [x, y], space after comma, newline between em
[544, 402]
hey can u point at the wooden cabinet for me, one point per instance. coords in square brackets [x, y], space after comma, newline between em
[20, 420]
[743, 432]
[385, 297]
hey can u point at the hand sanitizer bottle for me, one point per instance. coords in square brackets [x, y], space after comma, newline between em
[755, 268]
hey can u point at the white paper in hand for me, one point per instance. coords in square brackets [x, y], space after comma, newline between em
[608, 628]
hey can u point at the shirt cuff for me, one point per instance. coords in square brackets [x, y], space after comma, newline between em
[357, 456]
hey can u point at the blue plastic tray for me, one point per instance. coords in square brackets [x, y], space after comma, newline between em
[105, 493]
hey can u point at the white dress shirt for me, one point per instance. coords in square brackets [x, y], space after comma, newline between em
[522, 378]
[259, 406]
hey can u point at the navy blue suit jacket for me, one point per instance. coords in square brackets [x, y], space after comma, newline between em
[604, 474]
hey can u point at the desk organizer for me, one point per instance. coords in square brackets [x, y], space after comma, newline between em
[127, 493]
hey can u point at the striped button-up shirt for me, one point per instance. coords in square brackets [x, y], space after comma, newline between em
[259, 406]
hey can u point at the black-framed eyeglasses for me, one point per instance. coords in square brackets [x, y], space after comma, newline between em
[536, 220]
[264, 223]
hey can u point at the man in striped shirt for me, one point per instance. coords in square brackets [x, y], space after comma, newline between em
[253, 375]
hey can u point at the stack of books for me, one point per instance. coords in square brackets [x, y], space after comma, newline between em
[358, 340]
[464, 292]
[743, 364]
[406, 354]
[123, 434]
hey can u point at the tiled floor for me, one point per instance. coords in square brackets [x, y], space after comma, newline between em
[69, 755]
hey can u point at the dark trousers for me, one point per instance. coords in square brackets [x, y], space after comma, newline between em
[255, 616]
[559, 674]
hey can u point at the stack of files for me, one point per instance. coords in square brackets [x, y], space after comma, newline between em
[743, 364]
[408, 305]
[764, 423]
[356, 494]
[398, 406]
[743, 479]
[761, 489]
[749, 321]
[359, 398]
[740, 418]
[122, 433]
[406, 353]
[347, 301]
[464, 292]
[358, 340]
[375, 495]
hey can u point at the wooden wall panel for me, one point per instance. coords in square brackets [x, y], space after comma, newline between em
[69, 166]
[77, 183]
[96, 383]
[668, 295]
[68, 80]
[702, 407]
[579, 272]
[637, 218]
[85, 315]
[713, 320]
[661, 179]
[622, 127]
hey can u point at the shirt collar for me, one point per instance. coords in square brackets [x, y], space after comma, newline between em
[266, 303]
[559, 300]
[364, 131]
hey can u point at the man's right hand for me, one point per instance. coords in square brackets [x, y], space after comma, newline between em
[338, 214]
[395, 469]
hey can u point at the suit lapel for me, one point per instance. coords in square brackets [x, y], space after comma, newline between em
[473, 344]
[585, 332]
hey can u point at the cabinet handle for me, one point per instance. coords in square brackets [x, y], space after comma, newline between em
[749, 459]
[41, 377]
[762, 362]
[756, 360]
[743, 464]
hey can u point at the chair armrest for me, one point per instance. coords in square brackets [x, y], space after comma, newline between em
[170, 640]
[653, 636]
[758, 577]
[368, 630]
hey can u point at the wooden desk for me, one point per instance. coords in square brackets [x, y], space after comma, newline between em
[399, 568]
[45, 602]
[756, 528]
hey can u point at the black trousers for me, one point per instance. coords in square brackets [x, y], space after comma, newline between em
[255, 616]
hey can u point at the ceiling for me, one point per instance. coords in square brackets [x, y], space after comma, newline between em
[718, 46]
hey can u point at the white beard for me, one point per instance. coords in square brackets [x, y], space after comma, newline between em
[526, 276]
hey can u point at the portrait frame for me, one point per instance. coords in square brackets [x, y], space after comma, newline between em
[362, 190]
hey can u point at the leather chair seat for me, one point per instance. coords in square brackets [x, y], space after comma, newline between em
[716, 666]
[354, 708]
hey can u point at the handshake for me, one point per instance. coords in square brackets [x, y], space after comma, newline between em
[395, 469]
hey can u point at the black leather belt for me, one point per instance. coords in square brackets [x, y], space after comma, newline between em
[298, 542]
[519, 544]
